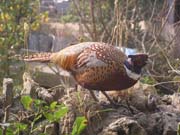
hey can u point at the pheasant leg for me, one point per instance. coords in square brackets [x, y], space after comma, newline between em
[93, 96]
[117, 105]
[109, 99]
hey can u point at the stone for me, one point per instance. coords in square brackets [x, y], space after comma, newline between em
[30, 87]
[152, 123]
[49, 75]
[176, 100]
[141, 96]
[124, 126]
[40, 42]
[170, 123]
[159, 123]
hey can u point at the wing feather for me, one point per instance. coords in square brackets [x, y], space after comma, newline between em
[67, 57]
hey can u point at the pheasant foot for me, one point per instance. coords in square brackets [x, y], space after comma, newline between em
[116, 105]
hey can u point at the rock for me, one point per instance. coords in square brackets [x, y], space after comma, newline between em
[124, 126]
[170, 103]
[40, 42]
[160, 123]
[152, 102]
[57, 93]
[44, 95]
[45, 127]
[50, 96]
[62, 42]
[176, 100]
[170, 123]
[45, 42]
[152, 123]
[46, 79]
[49, 76]
[141, 96]
[61, 36]
[50, 129]
[29, 86]
[168, 108]
[167, 99]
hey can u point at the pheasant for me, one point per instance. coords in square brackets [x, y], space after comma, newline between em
[97, 66]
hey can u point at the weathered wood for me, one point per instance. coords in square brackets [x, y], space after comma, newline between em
[8, 91]
[47, 77]
[30, 87]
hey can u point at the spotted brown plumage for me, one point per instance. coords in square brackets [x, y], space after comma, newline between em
[97, 66]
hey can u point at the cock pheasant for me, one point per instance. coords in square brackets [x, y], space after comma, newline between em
[97, 66]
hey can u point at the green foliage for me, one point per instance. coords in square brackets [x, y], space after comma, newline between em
[79, 125]
[26, 101]
[19, 127]
[1, 132]
[178, 129]
[53, 112]
[69, 18]
[148, 80]
[9, 131]
[14, 128]
[17, 19]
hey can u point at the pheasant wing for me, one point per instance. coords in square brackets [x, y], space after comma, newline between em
[99, 64]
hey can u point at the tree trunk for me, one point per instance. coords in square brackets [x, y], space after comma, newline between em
[176, 48]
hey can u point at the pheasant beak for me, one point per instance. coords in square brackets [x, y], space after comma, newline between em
[148, 61]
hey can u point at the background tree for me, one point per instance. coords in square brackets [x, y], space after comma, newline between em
[115, 21]
[17, 19]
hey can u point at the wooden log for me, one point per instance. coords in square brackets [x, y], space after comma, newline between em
[8, 91]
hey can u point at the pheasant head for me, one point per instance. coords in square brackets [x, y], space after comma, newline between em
[136, 62]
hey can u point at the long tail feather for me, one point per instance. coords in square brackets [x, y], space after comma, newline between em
[39, 57]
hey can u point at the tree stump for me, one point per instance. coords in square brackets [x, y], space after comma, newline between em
[8, 91]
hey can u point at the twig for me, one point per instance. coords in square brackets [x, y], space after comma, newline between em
[93, 20]
[58, 86]
[168, 61]
[82, 18]
[6, 116]
[152, 14]
[163, 25]
[167, 82]
[145, 33]
[102, 22]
